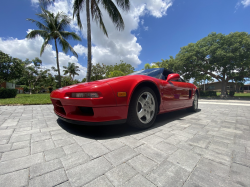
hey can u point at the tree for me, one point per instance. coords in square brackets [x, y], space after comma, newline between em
[10, 68]
[71, 70]
[223, 57]
[122, 67]
[53, 28]
[96, 14]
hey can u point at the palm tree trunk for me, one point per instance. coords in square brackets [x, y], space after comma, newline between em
[58, 68]
[89, 41]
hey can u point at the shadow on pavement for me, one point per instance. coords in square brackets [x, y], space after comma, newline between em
[115, 131]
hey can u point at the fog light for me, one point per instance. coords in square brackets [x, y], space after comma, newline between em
[84, 95]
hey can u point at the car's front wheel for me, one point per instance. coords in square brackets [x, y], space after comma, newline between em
[143, 108]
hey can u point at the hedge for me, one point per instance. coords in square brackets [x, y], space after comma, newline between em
[208, 93]
[8, 93]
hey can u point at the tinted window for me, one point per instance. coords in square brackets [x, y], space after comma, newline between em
[155, 72]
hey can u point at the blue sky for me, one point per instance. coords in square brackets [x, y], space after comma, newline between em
[155, 30]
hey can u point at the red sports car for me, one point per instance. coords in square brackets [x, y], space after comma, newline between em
[135, 99]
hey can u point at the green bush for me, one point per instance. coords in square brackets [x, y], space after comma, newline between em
[231, 93]
[8, 93]
[208, 93]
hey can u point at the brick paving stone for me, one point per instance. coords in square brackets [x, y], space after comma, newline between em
[119, 175]
[152, 153]
[5, 134]
[20, 163]
[95, 149]
[45, 167]
[40, 146]
[40, 136]
[130, 141]
[100, 181]
[54, 153]
[240, 174]
[187, 160]
[65, 184]
[113, 144]
[142, 164]
[64, 142]
[121, 155]
[81, 140]
[139, 181]
[72, 148]
[20, 138]
[213, 167]
[20, 145]
[5, 148]
[166, 148]
[15, 154]
[3, 142]
[74, 159]
[220, 158]
[58, 177]
[164, 134]
[199, 140]
[15, 179]
[83, 174]
[152, 140]
[168, 174]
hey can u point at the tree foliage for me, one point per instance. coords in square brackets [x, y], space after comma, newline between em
[10, 68]
[71, 69]
[223, 57]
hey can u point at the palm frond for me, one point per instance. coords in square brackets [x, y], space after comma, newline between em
[65, 45]
[78, 5]
[65, 21]
[114, 14]
[38, 24]
[123, 4]
[45, 43]
[36, 33]
[70, 35]
[97, 16]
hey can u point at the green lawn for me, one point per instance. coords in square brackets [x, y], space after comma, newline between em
[27, 99]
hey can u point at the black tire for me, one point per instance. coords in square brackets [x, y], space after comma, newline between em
[194, 108]
[133, 119]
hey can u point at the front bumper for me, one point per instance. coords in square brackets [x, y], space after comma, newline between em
[114, 122]
[98, 114]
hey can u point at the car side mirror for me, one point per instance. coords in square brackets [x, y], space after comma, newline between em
[173, 76]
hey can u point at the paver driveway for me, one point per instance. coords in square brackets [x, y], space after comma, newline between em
[207, 148]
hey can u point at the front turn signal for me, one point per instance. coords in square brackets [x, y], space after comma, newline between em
[121, 94]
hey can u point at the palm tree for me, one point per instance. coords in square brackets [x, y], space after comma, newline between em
[53, 28]
[96, 13]
[71, 70]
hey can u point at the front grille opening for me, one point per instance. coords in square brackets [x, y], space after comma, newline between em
[87, 111]
[60, 110]
[58, 103]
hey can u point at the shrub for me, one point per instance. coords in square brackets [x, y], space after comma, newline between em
[208, 93]
[231, 93]
[8, 93]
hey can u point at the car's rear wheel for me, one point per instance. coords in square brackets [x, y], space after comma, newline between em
[143, 108]
[194, 107]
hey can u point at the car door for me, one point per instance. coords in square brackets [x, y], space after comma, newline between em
[170, 95]
[183, 90]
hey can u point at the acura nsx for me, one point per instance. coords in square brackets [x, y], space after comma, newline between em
[135, 99]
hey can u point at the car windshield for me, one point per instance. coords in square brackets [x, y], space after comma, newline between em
[154, 72]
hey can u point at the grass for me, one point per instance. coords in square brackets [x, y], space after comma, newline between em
[27, 99]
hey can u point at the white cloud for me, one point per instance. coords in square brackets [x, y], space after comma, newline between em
[245, 3]
[30, 48]
[119, 45]
[80, 50]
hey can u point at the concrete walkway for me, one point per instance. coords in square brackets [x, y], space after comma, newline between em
[208, 148]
